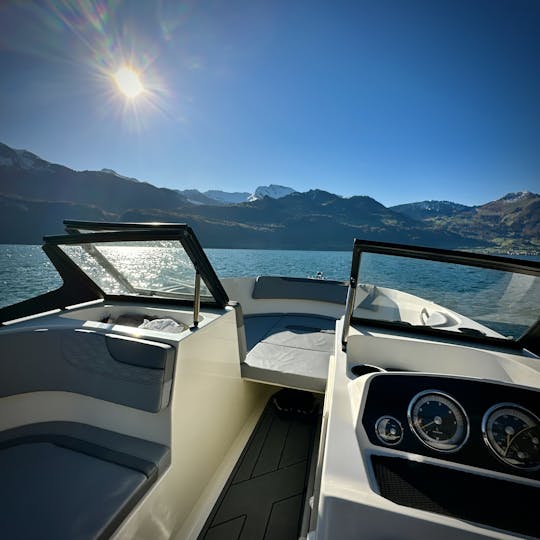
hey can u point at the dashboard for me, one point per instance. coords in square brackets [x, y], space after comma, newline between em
[474, 422]
[487, 433]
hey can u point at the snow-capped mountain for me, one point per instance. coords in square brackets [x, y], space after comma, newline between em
[27, 176]
[517, 196]
[111, 171]
[194, 196]
[226, 197]
[21, 159]
[273, 191]
[426, 209]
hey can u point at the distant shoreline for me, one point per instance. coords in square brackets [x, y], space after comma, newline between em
[486, 251]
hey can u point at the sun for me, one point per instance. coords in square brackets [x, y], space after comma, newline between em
[128, 82]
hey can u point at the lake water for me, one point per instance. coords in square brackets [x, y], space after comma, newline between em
[25, 271]
[504, 301]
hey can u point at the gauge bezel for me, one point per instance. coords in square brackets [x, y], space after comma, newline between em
[384, 417]
[485, 419]
[413, 402]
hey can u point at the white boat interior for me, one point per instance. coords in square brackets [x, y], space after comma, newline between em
[146, 400]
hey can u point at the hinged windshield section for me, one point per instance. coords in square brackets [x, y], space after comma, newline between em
[146, 260]
[153, 268]
[443, 292]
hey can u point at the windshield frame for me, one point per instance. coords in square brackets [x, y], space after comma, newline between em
[78, 288]
[132, 232]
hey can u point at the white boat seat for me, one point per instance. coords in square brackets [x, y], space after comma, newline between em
[65, 480]
[289, 349]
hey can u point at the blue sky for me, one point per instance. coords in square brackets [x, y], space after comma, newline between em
[401, 100]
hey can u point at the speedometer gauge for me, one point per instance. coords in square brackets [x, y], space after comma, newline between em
[438, 420]
[513, 434]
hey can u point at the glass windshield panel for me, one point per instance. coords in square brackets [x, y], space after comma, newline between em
[153, 268]
[452, 297]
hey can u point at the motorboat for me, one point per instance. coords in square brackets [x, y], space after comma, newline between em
[147, 398]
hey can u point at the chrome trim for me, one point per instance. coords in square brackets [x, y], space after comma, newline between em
[197, 299]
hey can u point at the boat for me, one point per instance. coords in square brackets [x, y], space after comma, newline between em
[147, 398]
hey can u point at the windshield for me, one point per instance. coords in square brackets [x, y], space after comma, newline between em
[447, 296]
[443, 290]
[149, 268]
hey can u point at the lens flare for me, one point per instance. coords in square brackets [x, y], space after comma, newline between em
[118, 64]
[128, 82]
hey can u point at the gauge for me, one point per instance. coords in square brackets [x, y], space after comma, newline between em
[389, 430]
[438, 420]
[513, 434]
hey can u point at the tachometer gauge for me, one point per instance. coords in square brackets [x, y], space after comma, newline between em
[513, 434]
[438, 420]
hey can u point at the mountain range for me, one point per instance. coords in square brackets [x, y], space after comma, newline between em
[215, 197]
[35, 196]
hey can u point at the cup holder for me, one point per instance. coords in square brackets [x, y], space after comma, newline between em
[363, 369]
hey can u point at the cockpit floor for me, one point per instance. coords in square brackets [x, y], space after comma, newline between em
[265, 494]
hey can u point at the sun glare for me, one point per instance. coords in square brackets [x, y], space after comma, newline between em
[128, 82]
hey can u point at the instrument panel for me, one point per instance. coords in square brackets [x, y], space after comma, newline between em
[480, 423]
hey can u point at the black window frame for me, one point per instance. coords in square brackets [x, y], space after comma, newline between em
[529, 340]
[78, 287]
